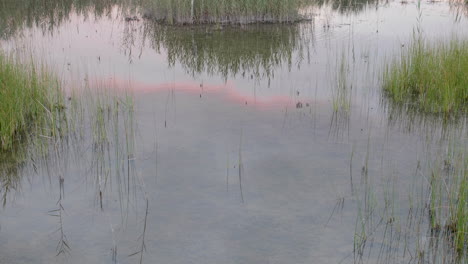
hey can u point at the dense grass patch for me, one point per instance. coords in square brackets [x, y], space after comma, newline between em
[431, 77]
[29, 100]
[224, 11]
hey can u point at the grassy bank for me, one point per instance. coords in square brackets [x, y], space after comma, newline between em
[234, 11]
[430, 77]
[29, 99]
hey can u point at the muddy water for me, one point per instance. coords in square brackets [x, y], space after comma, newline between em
[234, 151]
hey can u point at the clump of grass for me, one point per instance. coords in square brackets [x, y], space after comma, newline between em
[233, 11]
[30, 97]
[31, 112]
[430, 77]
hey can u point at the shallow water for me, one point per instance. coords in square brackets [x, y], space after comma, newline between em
[235, 152]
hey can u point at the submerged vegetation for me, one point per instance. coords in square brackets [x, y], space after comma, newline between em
[431, 77]
[234, 11]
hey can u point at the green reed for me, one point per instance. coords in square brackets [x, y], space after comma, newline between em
[232, 11]
[30, 99]
[430, 77]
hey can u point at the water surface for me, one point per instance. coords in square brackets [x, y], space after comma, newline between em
[229, 144]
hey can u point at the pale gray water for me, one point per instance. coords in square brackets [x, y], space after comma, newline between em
[194, 125]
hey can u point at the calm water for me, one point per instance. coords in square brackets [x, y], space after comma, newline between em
[234, 151]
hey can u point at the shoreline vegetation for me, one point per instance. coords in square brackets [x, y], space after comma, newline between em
[39, 120]
[175, 12]
[431, 77]
[31, 113]
[31, 99]
[181, 12]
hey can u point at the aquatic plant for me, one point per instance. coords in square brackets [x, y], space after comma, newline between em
[103, 113]
[430, 224]
[234, 11]
[430, 77]
[459, 221]
[31, 113]
[30, 98]
[10, 171]
[448, 206]
[341, 92]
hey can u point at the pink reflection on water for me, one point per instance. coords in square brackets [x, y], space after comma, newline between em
[227, 90]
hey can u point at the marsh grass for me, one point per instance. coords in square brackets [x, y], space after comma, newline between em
[32, 124]
[103, 117]
[100, 126]
[10, 167]
[430, 77]
[449, 206]
[426, 225]
[30, 98]
[234, 11]
[341, 92]
[39, 127]
[460, 218]
[31, 116]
